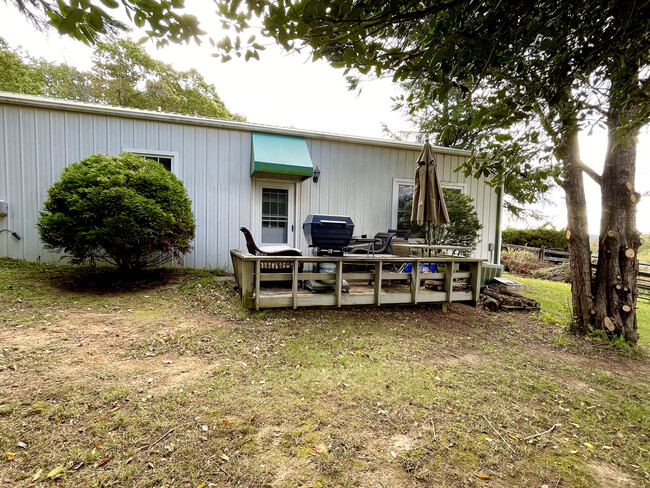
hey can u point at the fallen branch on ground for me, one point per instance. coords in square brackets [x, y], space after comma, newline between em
[497, 432]
[553, 427]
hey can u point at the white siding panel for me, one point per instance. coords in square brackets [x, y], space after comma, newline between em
[87, 137]
[114, 136]
[212, 200]
[187, 177]
[220, 213]
[126, 131]
[72, 136]
[201, 198]
[15, 195]
[4, 183]
[100, 140]
[242, 161]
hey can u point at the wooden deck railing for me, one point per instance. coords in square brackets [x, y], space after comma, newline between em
[252, 273]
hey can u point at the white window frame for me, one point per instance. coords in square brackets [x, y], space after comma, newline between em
[409, 181]
[173, 155]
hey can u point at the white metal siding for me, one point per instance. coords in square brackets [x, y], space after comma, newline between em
[214, 165]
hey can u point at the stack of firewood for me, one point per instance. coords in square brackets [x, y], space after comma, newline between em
[459, 284]
[497, 297]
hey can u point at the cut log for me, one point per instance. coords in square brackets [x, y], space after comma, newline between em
[629, 253]
[628, 185]
[568, 234]
[491, 304]
[626, 308]
[609, 323]
[611, 233]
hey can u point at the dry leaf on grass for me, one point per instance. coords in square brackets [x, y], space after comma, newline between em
[55, 472]
[588, 445]
[482, 476]
[319, 450]
[37, 475]
[104, 461]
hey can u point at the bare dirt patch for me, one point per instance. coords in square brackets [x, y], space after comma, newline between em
[609, 475]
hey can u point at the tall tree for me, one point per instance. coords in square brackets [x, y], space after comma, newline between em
[544, 63]
[123, 74]
[16, 75]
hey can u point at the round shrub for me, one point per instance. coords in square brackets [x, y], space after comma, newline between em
[124, 210]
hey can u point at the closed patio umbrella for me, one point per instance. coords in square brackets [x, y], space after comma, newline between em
[428, 200]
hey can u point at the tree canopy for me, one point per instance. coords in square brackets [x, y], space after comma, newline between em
[123, 74]
[87, 20]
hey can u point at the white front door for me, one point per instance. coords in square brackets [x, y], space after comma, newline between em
[275, 213]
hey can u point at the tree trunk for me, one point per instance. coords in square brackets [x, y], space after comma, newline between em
[577, 234]
[619, 242]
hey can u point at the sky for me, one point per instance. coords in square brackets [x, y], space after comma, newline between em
[290, 90]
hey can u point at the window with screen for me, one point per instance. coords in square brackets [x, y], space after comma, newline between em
[275, 215]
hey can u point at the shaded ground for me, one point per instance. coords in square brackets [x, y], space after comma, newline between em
[167, 382]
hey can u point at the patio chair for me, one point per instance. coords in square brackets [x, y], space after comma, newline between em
[404, 234]
[380, 246]
[280, 250]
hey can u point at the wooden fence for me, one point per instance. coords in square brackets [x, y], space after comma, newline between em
[556, 256]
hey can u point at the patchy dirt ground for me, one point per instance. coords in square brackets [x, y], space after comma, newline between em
[174, 385]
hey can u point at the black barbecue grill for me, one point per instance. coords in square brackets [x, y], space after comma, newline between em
[328, 234]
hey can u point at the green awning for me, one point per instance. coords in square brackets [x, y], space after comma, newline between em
[285, 155]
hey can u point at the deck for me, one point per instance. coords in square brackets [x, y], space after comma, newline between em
[374, 280]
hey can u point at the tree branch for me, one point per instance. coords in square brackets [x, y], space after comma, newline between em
[591, 172]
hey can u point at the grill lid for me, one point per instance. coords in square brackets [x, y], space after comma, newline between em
[328, 231]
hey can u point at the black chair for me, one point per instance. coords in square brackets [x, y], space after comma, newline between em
[404, 234]
[254, 249]
[267, 250]
[380, 246]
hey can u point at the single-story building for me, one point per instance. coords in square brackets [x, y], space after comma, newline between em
[236, 174]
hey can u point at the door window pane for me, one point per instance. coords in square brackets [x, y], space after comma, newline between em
[275, 215]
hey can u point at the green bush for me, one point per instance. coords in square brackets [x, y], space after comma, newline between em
[125, 210]
[541, 237]
[464, 226]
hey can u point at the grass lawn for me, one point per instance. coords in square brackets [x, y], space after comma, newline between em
[555, 299]
[164, 381]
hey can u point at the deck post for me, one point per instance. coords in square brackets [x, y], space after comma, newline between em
[378, 280]
[339, 281]
[258, 269]
[449, 281]
[475, 282]
[415, 282]
[294, 284]
[245, 282]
